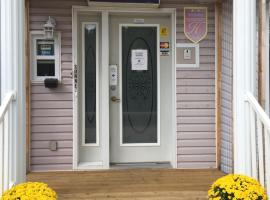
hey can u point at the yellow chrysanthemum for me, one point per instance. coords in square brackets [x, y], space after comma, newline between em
[30, 191]
[236, 187]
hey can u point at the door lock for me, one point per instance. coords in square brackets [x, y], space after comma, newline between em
[115, 99]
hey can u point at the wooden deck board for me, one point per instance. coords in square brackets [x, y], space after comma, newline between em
[135, 184]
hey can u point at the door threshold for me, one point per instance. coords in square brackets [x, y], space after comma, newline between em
[141, 165]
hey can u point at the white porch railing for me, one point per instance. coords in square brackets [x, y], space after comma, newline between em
[7, 145]
[259, 134]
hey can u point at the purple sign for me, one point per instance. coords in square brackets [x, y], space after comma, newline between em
[128, 1]
[195, 23]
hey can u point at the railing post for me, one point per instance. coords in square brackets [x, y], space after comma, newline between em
[267, 161]
[6, 152]
[252, 133]
[260, 151]
[1, 157]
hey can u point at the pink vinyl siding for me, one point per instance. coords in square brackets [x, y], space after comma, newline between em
[51, 109]
[196, 98]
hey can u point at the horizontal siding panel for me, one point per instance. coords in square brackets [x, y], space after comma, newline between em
[43, 18]
[196, 120]
[195, 97]
[40, 89]
[51, 104]
[199, 74]
[41, 11]
[196, 127]
[196, 90]
[47, 152]
[53, 167]
[51, 113]
[196, 165]
[51, 128]
[67, 73]
[196, 143]
[194, 105]
[196, 150]
[52, 160]
[196, 112]
[194, 82]
[52, 97]
[195, 135]
[196, 158]
[62, 27]
[45, 144]
[56, 4]
[52, 136]
[51, 120]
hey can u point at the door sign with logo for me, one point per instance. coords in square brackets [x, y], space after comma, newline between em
[195, 23]
[164, 48]
[139, 59]
[164, 32]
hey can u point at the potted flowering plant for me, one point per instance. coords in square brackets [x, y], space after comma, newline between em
[236, 187]
[30, 191]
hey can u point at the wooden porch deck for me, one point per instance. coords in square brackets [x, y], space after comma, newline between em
[152, 184]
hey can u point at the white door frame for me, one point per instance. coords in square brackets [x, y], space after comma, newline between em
[104, 87]
[121, 89]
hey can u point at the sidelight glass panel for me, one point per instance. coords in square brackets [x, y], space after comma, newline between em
[139, 74]
[90, 51]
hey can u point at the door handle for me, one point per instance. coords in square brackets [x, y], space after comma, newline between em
[115, 99]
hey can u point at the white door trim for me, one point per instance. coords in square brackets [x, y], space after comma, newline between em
[120, 87]
[104, 87]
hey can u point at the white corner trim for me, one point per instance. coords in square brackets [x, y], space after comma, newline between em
[244, 34]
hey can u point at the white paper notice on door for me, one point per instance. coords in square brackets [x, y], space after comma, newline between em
[139, 59]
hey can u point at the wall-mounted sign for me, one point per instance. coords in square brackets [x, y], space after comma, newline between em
[195, 23]
[164, 48]
[138, 21]
[139, 59]
[127, 1]
[164, 32]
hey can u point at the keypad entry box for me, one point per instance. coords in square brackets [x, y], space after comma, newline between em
[113, 77]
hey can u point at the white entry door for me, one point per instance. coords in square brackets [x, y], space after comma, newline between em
[135, 113]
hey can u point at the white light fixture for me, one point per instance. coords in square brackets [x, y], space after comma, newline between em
[48, 28]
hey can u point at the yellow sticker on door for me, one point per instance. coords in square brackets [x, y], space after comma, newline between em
[164, 31]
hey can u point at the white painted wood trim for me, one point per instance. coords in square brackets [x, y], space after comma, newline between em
[105, 97]
[174, 91]
[97, 86]
[75, 92]
[121, 92]
[12, 79]
[244, 27]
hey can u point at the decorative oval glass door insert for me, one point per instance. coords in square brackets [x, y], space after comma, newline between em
[139, 85]
[90, 83]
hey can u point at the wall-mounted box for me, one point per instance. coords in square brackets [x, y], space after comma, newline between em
[187, 55]
[45, 55]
